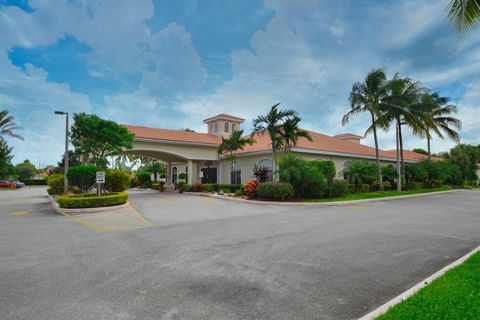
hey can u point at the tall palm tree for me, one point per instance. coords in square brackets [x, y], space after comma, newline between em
[464, 14]
[290, 132]
[438, 118]
[271, 124]
[403, 107]
[368, 97]
[8, 125]
[231, 144]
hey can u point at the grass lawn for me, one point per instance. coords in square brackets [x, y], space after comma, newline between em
[378, 194]
[455, 295]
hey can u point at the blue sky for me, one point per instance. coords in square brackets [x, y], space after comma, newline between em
[173, 63]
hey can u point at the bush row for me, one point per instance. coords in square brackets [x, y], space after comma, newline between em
[90, 200]
[212, 187]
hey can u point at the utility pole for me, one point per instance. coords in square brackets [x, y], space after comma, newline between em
[65, 179]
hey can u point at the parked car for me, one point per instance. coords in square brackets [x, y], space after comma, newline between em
[18, 184]
[6, 184]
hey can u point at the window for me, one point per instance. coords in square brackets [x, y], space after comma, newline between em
[264, 170]
[226, 126]
[235, 173]
[210, 128]
[186, 171]
[215, 127]
[174, 174]
[234, 127]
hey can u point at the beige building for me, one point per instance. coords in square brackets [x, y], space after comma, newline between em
[196, 153]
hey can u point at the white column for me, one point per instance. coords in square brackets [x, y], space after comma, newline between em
[192, 175]
[169, 173]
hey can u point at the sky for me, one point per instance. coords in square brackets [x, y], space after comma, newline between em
[171, 64]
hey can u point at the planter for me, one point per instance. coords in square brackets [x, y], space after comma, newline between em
[180, 190]
[161, 189]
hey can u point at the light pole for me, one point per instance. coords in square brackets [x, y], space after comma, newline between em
[65, 179]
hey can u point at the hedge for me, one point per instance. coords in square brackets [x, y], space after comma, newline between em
[275, 190]
[55, 183]
[34, 182]
[117, 180]
[210, 187]
[229, 188]
[90, 200]
[82, 177]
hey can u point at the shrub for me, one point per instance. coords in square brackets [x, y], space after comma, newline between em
[250, 188]
[49, 191]
[326, 167]
[90, 200]
[364, 188]
[187, 187]
[361, 171]
[386, 185]
[340, 188]
[414, 185]
[82, 177]
[196, 187]
[34, 182]
[275, 190]
[155, 185]
[239, 192]
[229, 188]
[55, 183]
[210, 187]
[144, 178]
[389, 173]
[182, 176]
[306, 177]
[116, 180]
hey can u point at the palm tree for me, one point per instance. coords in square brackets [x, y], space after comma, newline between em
[368, 97]
[464, 14]
[272, 124]
[231, 144]
[438, 118]
[8, 126]
[290, 132]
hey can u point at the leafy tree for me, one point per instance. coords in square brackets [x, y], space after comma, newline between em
[272, 124]
[290, 132]
[437, 118]
[466, 157]
[464, 14]
[73, 159]
[8, 126]
[420, 150]
[5, 158]
[231, 144]
[96, 138]
[367, 97]
[361, 171]
[25, 170]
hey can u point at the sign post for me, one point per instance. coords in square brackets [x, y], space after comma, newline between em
[100, 181]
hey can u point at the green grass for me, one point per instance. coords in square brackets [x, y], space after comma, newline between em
[378, 194]
[455, 295]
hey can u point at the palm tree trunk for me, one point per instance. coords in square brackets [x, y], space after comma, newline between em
[399, 175]
[428, 146]
[377, 156]
[402, 162]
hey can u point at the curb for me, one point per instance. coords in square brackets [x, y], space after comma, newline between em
[57, 208]
[410, 292]
[321, 204]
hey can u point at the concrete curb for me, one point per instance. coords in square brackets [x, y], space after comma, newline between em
[84, 210]
[410, 292]
[321, 204]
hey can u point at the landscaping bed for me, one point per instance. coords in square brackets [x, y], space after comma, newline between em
[455, 295]
[91, 200]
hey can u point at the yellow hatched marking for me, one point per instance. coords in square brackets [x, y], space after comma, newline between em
[20, 212]
[211, 200]
[144, 220]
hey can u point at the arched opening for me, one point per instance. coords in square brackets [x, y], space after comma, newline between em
[264, 170]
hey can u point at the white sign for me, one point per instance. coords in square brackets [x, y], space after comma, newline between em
[100, 176]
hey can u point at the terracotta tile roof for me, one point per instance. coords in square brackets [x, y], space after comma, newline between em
[320, 142]
[347, 135]
[173, 135]
[326, 143]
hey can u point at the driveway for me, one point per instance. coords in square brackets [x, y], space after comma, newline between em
[204, 258]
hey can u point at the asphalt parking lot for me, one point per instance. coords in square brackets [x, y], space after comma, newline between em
[203, 258]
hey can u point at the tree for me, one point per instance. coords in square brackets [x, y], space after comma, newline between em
[420, 150]
[95, 139]
[73, 159]
[466, 157]
[464, 14]
[367, 97]
[272, 124]
[290, 132]
[361, 171]
[5, 158]
[8, 125]
[156, 168]
[437, 118]
[25, 170]
[231, 144]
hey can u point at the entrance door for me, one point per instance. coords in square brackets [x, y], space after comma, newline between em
[209, 175]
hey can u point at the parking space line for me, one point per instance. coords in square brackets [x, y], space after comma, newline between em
[85, 223]
[144, 220]
[20, 212]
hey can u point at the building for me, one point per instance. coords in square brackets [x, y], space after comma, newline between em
[196, 153]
